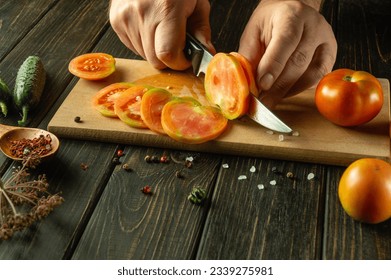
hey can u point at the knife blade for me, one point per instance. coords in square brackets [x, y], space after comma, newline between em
[200, 58]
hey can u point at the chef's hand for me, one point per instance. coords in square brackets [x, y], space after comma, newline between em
[156, 29]
[291, 47]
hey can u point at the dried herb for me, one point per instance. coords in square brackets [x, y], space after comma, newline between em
[197, 195]
[24, 201]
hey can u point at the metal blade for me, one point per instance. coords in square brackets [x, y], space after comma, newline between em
[200, 58]
[262, 115]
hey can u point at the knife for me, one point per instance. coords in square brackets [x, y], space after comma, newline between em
[200, 58]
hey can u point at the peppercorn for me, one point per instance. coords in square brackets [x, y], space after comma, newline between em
[146, 190]
[179, 174]
[126, 167]
[120, 153]
[164, 159]
[188, 164]
[77, 119]
[289, 175]
[115, 160]
[155, 159]
[148, 159]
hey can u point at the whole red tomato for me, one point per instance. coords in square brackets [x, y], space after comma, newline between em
[349, 98]
[365, 190]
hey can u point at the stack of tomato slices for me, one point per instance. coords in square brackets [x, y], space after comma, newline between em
[229, 80]
[142, 106]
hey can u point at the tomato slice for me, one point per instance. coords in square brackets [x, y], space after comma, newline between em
[152, 104]
[127, 106]
[103, 101]
[192, 123]
[248, 71]
[92, 66]
[226, 85]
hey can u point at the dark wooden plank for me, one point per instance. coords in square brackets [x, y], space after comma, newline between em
[281, 221]
[16, 20]
[361, 28]
[56, 38]
[128, 224]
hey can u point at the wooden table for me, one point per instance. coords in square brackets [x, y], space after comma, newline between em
[105, 216]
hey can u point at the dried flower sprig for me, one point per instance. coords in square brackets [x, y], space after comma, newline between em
[24, 201]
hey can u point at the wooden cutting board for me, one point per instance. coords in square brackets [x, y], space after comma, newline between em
[319, 141]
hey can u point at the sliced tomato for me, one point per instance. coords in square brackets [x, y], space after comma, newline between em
[103, 101]
[92, 66]
[226, 85]
[152, 104]
[248, 71]
[127, 106]
[192, 123]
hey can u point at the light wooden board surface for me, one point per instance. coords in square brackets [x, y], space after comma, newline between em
[319, 141]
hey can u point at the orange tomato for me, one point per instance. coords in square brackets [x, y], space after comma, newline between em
[349, 98]
[103, 100]
[188, 121]
[248, 71]
[365, 190]
[226, 85]
[152, 104]
[127, 106]
[92, 66]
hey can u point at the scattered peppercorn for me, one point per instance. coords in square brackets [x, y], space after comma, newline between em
[83, 166]
[164, 159]
[289, 175]
[115, 160]
[146, 190]
[148, 158]
[188, 164]
[120, 153]
[126, 167]
[197, 195]
[77, 119]
[155, 159]
[179, 174]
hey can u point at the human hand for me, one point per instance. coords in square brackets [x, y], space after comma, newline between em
[290, 45]
[156, 29]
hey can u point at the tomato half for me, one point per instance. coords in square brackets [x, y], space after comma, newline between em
[103, 101]
[192, 123]
[248, 71]
[226, 85]
[152, 104]
[365, 190]
[92, 66]
[127, 106]
[349, 98]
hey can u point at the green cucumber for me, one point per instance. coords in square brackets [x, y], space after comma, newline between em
[29, 85]
[5, 97]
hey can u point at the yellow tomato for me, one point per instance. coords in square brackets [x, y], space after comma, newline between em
[365, 190]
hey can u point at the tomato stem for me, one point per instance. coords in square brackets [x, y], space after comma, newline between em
[347, 78]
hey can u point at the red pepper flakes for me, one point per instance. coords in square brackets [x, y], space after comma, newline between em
[36, 147]
[83, 166]
[164, 159]
[147, 190]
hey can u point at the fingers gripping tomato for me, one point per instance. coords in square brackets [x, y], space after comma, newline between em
[92, 66]
[190, 122]
[226, 85]
[349, 98]
[365, 190]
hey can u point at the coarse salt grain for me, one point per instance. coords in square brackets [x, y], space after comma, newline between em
[310, 176]
[225, 165]
[271, 132]
[189, 159]
[253, 169]
[242, 177]
[261, 186]
[280, 137]
[295, 133]
[273, 182]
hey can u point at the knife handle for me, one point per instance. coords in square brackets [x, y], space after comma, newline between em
[193, 51]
